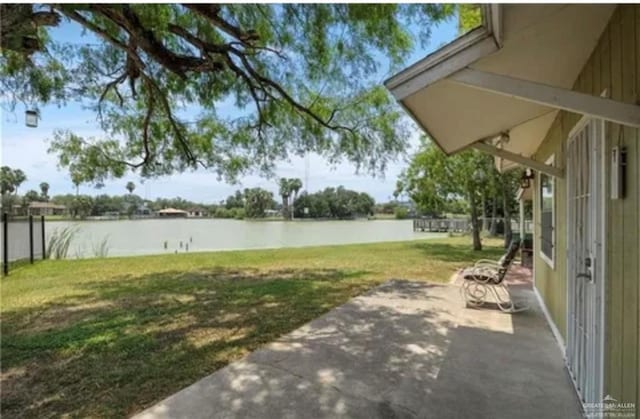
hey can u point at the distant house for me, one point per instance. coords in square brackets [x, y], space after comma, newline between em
[271, 213]
[142, 211]
[197, 212]
[172, 213]
[45, 208]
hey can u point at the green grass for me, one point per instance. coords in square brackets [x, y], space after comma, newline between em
[109, 337]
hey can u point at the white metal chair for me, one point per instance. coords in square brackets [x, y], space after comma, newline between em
[486, 278]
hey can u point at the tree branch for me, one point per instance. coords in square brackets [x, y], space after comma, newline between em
[283, 93]
[212, 13]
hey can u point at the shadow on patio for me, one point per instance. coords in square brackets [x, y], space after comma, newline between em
[403, 350]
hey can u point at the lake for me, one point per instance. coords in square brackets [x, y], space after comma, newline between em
[142, 237]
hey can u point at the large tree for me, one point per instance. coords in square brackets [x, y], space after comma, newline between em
[284, 186]
[44, 190]
[11, 179]
[334, 203]
[433, 178]
[257, 201]
[304, 77]
[31, 196]
[130, 186]
[295, 184]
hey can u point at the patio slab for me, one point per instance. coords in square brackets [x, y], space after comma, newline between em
[403, 350]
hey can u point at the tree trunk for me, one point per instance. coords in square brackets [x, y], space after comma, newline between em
[285, 207]
[485, 220]
[475, 226]
[293, 204]
[506, 205]
[494, 217]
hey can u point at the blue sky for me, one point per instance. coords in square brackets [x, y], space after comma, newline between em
[26, 148]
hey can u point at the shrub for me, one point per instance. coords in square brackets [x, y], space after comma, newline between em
[401, 213]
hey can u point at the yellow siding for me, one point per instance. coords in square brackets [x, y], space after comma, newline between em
[550, 281]
[614, 65]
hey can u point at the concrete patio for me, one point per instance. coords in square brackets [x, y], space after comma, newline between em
[403, 350]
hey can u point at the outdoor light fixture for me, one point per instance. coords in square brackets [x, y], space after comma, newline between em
[525, 180]
[31, 118]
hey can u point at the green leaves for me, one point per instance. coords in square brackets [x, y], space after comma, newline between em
[469, 17]
[302, 77]
[11, 179]
[337, 202]
[257, 201]
[434, 180]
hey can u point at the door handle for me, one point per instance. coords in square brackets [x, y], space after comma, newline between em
[587, 276]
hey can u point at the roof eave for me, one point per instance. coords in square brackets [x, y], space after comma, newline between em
[450, 58]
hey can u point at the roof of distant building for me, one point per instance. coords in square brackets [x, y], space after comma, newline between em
[171, 211]
[38, 204]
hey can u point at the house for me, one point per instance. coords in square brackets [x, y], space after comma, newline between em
[197, 212]
[45, 208]
[142, 211]
[172, 213]
[555, 88]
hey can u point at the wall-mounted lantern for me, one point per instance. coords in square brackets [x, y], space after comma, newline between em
[525, 180]
[31, 118]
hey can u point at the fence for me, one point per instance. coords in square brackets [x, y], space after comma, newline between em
[22, 239]
[463, 225]
[441, 225]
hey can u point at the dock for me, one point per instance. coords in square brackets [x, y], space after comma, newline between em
[445, 225]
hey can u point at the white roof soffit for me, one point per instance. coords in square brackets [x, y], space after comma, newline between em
[547, 44]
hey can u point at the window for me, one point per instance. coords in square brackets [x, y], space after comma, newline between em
[547, 216]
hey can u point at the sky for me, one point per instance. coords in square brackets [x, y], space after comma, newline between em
[26, 148]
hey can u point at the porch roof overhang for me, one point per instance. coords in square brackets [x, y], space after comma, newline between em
[501, 86]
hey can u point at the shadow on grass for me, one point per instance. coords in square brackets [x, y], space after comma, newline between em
[456, 253]
[136, 339]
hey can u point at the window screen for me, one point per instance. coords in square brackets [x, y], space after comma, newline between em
[546, 215]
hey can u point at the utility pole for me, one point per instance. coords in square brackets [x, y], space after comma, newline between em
[306, 172]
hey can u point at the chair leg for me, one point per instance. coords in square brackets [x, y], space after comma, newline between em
[474, 293]
[507, 305]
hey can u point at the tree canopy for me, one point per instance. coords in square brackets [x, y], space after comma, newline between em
[257, 201]
[337, 202]
[433, 179]
[158, 75]
[11, 179]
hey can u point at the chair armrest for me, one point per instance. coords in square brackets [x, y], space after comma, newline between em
[487, 262]
[483, 273]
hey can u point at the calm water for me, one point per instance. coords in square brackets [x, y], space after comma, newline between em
[138, 237]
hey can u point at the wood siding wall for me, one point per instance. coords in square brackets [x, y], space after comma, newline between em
[614, 65]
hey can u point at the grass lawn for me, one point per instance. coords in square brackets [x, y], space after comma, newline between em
[109, 337]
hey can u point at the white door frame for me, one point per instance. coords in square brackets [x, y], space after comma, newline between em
[600, 145]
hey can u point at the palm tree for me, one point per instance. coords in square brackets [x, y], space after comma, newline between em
[44, 188]
[131, 187]
[295, 185]
[285, 193]
[18, 178]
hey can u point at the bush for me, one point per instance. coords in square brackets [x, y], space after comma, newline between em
[238, 213]
[401, 213]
